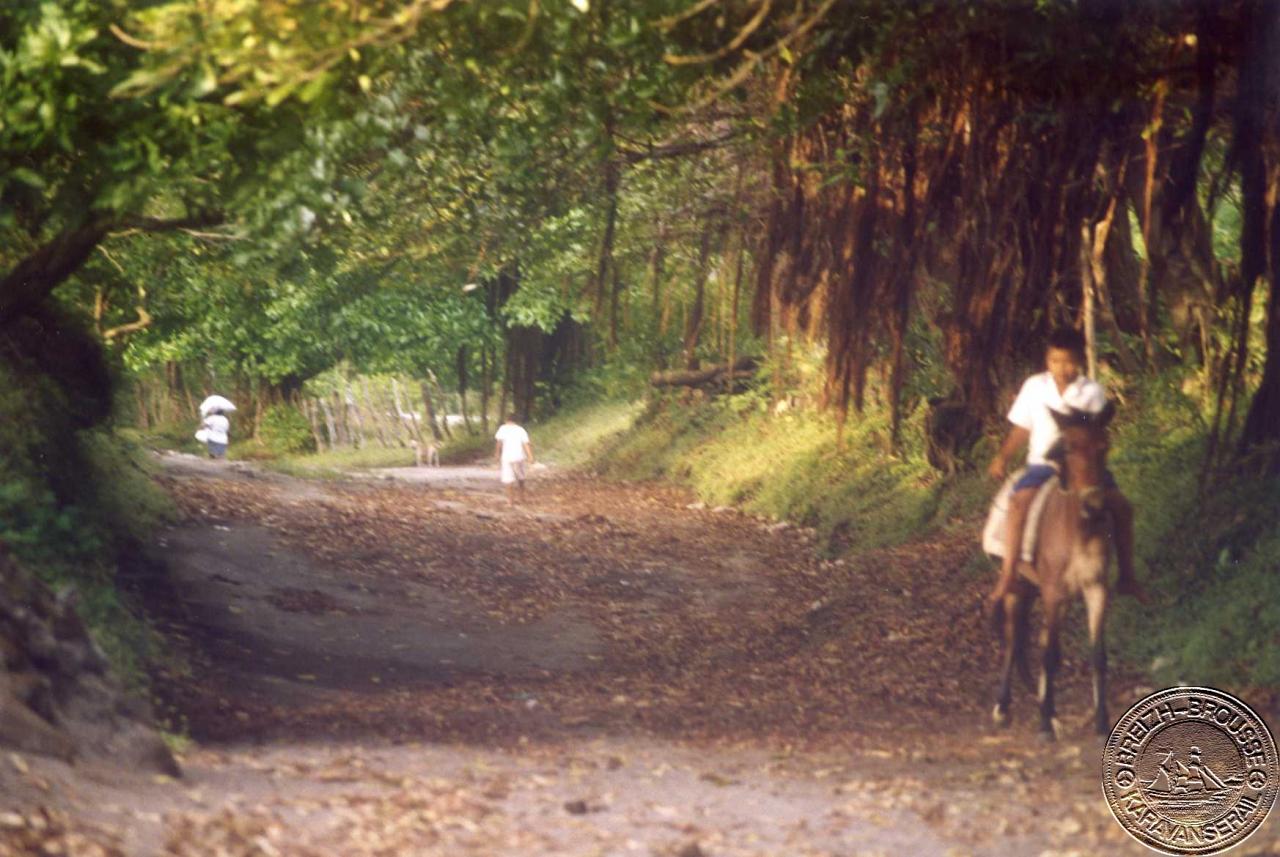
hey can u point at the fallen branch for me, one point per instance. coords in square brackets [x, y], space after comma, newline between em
[706, 376]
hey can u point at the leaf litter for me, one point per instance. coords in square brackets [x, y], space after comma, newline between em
[735, 664]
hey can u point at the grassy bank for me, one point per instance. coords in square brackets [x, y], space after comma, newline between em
[73, 501]
[793, 466]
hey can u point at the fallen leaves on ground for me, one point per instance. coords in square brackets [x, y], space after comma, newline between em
[865, 681]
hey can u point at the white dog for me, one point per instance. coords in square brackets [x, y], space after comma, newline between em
[431, 454]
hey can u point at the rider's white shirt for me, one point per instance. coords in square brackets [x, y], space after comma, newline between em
[1038, 394]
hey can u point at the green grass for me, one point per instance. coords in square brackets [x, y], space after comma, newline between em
[1210, 554]
[572, 439]
[465, 448]
[791, 467]
[333, 463]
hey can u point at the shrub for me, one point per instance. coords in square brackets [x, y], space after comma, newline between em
[284, 431]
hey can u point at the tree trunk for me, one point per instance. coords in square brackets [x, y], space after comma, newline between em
[1260, 179]
[657, 264]
[714, 374]
[330, 423]
[486, 386]
[733, 308]
[502, 400]
[605, 264]
[32, 279]
[144, 422]
[615, 297]
[1086, 302]
[353, 415]
[374, 416]
[904, 284]
[309, 411]
[409, 425]
[1262, 422]
[444, 404]
[693, 326]
[462, 388]
[340, 417]
[259, 406]
[431, 412]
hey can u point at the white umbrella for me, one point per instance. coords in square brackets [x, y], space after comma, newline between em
[216, 403]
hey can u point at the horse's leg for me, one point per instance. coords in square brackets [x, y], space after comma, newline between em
[1051, 657]
[1011, 606]
[1095, 604]
[1021, 643]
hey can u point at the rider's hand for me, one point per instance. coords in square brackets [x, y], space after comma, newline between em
[997, 468]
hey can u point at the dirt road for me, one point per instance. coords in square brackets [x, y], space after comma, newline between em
[388, 667]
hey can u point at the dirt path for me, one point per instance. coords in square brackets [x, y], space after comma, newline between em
[384, 667]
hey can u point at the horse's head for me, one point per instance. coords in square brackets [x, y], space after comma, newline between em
[1085, 444]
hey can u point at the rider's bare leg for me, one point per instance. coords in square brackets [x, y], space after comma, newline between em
[1015, 523]
[1122, 532]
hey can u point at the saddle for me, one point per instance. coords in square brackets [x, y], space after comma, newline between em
[993, 534]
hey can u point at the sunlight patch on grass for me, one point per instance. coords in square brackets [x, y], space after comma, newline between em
[790, 467]
[573, 438]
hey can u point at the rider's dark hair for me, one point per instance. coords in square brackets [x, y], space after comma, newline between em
[1067, 339]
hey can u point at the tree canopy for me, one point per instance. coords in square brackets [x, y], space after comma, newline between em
[269, 189]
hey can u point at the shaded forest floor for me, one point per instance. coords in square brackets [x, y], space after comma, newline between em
[386, 667]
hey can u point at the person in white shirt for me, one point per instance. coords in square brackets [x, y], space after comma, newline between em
[216, 433]
[514, 453]
[1061, 388]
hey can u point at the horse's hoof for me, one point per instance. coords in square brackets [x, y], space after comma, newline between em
[999, 717]
[1046, 736]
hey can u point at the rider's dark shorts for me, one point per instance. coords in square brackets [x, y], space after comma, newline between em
[1038, 474]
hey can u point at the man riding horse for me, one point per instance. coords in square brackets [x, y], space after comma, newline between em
[1062, 388]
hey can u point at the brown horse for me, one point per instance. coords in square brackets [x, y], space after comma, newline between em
[1073, 550]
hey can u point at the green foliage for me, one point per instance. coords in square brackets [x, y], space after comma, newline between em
[1216, 567]
[178, 436]
[1229, 636]
[1209, 556]
[466, 448]
[284, 431]
[71, 503]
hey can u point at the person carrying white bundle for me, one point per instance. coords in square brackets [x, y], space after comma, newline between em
[214, 433]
